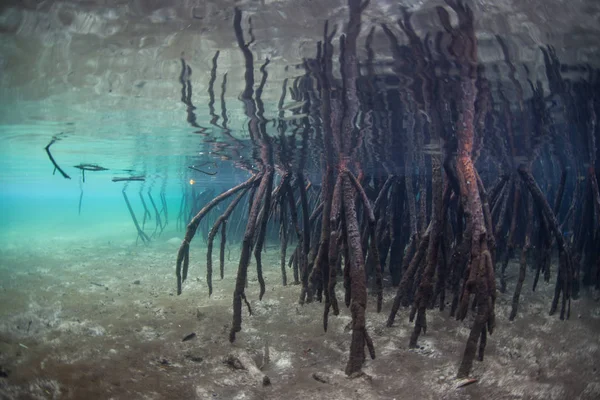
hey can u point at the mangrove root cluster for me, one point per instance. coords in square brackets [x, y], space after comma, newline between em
[429, 178]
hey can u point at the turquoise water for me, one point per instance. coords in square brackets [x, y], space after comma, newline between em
[38, 203]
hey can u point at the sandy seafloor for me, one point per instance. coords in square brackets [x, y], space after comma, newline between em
[64, 337]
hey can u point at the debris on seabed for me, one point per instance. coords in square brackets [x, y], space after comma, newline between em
[320, 377]
[189, 337]
[465, 382]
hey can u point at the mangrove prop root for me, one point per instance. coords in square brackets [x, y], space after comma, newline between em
[157, 218]
[335, 243]
[298, 255]
[357, 280]
[283, 237]
[165, 208]
[523, 261]
[394, 241]
[222, 253]
[305, 238]
[408, 277]
[565, 272]
[425, 290]
[184, 249]
[258, 248]
[146, 212]
[480, 269]
[440, 285]
[294, 260]
[346, 271]
[247, 244]
[487, 215]
[457, 264]
[331, 268]
[374, 247]
[543, 253]
[141, 234]
[511, 234]
[323, 264]
[211, 236]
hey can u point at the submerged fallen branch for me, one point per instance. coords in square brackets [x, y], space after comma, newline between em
[129, 179]
[197, 168]
[89, 167]
[242, 360]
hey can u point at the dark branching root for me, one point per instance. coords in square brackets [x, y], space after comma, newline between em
[435, 204]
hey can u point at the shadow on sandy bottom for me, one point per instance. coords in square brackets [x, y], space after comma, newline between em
[103, 322]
